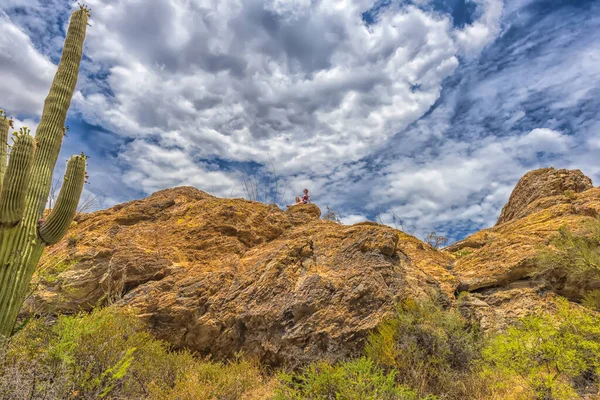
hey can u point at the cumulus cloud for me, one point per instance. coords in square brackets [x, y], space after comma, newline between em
[474, 37]
[159, 167]
[401, 114]
[25, 73]
[308, 84]
[545, 140]
[524, 105]
[467, 184]
[353, 219]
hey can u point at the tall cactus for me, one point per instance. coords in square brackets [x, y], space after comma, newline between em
[26, 182]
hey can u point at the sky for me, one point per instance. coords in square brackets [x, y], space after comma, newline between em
[421, 114]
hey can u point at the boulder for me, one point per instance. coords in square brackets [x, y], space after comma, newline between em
[540, 183]
[219, 276]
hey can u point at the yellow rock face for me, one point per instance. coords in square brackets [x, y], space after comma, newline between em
[220, 276]
[542, 183]
[506, 253]
[223, 275]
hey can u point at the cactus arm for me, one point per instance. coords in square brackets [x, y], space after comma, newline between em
[16, 180]
[4, 126]
[21, 247]
[59, 220]
[51, 131]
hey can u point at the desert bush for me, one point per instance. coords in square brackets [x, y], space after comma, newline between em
[431, 349]
[572, 260]
[463, 253]
[592, 300]
[423, 351]
[72, 240]
[358, 379]
[570, 194]
[332, 215]
[434, 240]
[550, 356]
[240, 379]
[108, 354]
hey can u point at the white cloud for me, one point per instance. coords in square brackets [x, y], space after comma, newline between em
[466, 185]
[594, 143]
[353, 219]
[25, 74]
[158, 167]
[340, 107]
[545, 140]
[473, 38]
[307, 84]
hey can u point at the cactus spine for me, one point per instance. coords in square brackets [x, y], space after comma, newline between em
[27, 178]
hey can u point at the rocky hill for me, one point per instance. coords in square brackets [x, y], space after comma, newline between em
[222, 275]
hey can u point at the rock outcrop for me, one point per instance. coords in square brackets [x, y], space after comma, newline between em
[541, 183]
[225, 275]
[220, 276]
[506, 253]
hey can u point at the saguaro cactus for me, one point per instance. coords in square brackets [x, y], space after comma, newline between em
[26, 182]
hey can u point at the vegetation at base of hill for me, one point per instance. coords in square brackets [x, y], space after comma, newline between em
[355, 379]
[431, 349]
[572, 260]
[108, 354]
[422, 352]
[548, 356]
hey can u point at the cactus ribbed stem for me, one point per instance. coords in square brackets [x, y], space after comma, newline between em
[16, 180]
[4, 127]
[59, 220]
[21, 247]
[50, 131]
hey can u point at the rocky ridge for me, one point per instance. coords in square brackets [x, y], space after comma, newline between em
[220, 276]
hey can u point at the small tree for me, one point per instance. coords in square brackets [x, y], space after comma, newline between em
[436, 240]
[332, 215]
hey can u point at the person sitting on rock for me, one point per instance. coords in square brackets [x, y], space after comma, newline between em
[304, 200]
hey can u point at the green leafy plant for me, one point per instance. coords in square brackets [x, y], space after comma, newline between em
[552, 356]
[430, 348]
[592, 300]
[463, 252]
[571, 262]
[358, 379]
[108, 354]
[569, 194]
[27, 178]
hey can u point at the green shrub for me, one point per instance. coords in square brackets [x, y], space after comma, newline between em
[49, 271]
[430, 348]
[572, 261]
[592, 300]
[463, 252]
[359, 379]
[240, 379]
[570, 194]
[107, 354]
[552, 356]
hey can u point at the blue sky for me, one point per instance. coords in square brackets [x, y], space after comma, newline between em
[423, 114]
